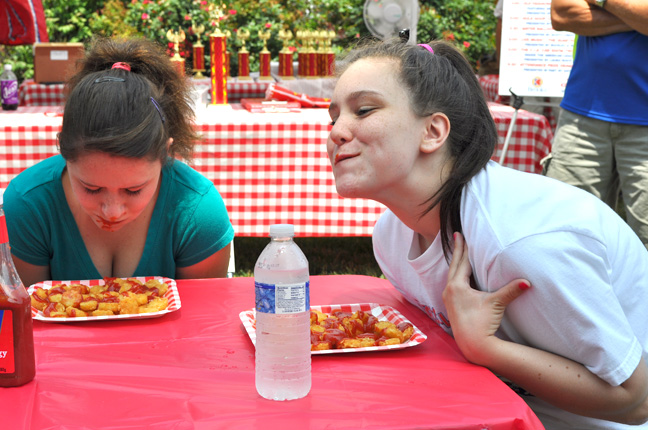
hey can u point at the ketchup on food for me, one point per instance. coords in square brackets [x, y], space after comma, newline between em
[17, 362]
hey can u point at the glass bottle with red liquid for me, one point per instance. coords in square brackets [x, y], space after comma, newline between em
[17, 361]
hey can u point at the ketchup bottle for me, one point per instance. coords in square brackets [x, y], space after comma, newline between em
[17, 362]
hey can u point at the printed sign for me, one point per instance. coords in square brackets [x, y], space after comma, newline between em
[536, 59]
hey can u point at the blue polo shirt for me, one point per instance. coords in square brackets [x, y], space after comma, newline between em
[609, 79]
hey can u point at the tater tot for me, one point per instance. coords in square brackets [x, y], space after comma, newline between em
[388, 341]
[55, 310]
[128, 305]
[71, 298]
[161, 287]
[38, 304]
[88, 305]
[55, 298]
[155, 305]
[142, 299]
[97, 289]
[108, 306]
[73, 312]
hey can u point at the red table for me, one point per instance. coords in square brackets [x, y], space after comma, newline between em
[194, 369]
[269, 167]
[530, 140]
[32, 94]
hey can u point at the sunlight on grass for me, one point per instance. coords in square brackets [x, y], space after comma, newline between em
[326, 255]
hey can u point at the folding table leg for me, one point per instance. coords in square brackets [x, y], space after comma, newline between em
[231, 267]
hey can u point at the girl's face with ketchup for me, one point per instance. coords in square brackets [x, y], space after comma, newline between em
[112, 190]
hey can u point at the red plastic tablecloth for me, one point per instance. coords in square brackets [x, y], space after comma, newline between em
[194, 369]
[269, 167]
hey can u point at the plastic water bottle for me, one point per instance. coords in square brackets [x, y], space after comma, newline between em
[9, 88]
[283, 347]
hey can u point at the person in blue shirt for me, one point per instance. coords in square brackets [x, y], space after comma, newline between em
[601, 141]
[118, 201]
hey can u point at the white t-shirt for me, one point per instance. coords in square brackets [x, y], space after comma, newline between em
[588, 270]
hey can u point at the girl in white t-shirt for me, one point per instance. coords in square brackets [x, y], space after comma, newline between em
[559, 282]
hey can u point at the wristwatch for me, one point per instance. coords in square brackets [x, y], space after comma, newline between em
[600, 3]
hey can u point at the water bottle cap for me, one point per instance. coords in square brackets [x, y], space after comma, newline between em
[282, 230]
[7, 67]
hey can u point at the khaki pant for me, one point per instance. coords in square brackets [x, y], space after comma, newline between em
[604, 158]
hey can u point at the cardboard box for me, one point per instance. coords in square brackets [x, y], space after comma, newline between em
[55, 62]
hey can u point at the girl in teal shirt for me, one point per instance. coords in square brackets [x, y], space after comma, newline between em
[118, 201]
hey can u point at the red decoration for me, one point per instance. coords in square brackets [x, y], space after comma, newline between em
[218, 72]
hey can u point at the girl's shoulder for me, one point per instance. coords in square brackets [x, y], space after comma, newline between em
[184, 178]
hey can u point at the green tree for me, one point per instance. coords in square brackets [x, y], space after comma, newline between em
[470, 24]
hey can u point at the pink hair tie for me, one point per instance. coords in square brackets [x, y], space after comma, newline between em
[120, 65]
[426, 46]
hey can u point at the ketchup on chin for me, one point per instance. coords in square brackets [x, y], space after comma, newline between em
[17, 361]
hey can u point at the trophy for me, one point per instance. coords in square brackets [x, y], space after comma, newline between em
[198, 52]
[285, 56]
[302, 58]
[264, 57]
[312, 71]
[176, 37]
[228, 72]
[327, 57]
[218, 56]
[243, 34]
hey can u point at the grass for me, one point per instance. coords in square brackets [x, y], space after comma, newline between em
[326, 255]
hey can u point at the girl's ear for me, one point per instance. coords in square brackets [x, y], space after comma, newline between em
[169, 142]
[437, 129]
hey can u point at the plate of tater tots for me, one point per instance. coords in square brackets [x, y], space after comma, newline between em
[104, 299]
[352, 328]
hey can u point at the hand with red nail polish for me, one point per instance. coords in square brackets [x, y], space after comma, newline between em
[475, 315]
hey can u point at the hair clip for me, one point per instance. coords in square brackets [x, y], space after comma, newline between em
[404, 35]
[157, 107]
[120, 65]
[109, 79]
[426, 46]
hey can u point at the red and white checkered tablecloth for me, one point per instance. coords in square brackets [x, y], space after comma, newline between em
[32, 94]
[530, 140]
[237, 90]
[273, 168]
[27, 136]
[269, 167]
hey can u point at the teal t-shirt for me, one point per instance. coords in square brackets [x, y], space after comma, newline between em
[189, 223]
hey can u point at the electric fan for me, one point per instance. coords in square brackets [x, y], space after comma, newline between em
[385, 18]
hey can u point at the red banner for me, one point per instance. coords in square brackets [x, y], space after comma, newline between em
[22, 22]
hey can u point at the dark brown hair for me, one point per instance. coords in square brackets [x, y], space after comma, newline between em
[445, 82]
[127, 113]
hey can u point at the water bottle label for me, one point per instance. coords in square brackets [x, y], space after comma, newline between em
[282, 299]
